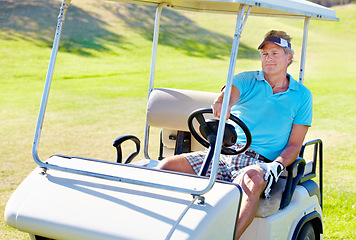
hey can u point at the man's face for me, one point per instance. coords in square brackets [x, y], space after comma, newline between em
[274, 59]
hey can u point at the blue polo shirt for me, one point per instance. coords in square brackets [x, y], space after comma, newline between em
[270, 116]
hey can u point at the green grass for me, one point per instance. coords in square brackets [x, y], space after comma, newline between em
[101, 79]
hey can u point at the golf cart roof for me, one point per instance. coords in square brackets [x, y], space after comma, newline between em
[281, 8]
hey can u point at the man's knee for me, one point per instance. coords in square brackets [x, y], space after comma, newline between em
[176, 163]
[167, 164]
[252, 180]
[257, 177]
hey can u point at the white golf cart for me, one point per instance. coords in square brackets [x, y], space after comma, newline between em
[79, 198]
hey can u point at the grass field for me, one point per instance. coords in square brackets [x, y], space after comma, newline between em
[101, 80]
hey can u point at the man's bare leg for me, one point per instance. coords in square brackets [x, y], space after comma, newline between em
[176, 163]
[252, 184]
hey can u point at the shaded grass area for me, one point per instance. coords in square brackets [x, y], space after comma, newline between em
[101, 79]
[91, 28]
[34, 20]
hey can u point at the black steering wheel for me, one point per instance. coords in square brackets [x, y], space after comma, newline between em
[208, 129]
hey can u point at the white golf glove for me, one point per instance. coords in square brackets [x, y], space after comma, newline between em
[272, 172]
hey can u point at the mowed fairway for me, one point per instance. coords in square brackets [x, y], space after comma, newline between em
[100, 84]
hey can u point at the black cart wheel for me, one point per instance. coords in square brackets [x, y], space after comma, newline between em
[307, 232]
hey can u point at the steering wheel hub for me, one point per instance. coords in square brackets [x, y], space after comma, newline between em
[209, 128]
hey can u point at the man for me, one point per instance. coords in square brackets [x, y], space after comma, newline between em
[277, 110]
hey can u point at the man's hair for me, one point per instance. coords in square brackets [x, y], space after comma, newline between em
[284, 35]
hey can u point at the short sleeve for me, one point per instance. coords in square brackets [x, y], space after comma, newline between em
[242, 81]
[305, 112]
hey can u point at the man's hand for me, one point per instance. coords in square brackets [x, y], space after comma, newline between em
[272, 172]
[217, 105]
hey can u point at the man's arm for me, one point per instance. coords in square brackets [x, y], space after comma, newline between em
[217, 105]
[291, 151]
[274, 169]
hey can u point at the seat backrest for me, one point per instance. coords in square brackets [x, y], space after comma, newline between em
[169, 110]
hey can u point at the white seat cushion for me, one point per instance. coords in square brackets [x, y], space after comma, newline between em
[170, 108]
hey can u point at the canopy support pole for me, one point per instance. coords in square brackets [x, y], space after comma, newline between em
[304, 50]
[153, 69]
[240, 22]
[57, 36]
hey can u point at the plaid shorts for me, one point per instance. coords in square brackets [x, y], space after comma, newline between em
[229, 165]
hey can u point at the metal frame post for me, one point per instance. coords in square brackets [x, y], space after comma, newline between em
[57, 36]
[153, 69]
[240, 22]
[304, 50]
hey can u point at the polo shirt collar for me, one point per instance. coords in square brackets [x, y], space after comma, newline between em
[293, 84]
[259, 76]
